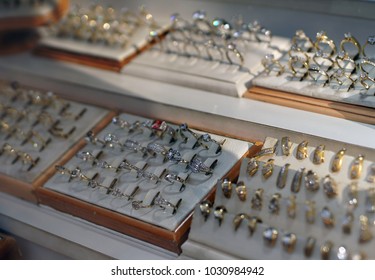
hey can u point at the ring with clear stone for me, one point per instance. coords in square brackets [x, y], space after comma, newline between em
[270, 63]
[90, 137]
[231, 49]
[89, 157]
[77, 174]
[158, 200]
[174, 178]
[340, 77]
[349, 39]
[369, 42]
[206, 138]
[134, 146]
[342, 60]
[112, 140]
[322, 39]
[303, 40]
[316, 73]
[196, 165]
[320, 58]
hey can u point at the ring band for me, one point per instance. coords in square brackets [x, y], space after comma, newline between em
[369, 42]
[322, 38]
[349, 39]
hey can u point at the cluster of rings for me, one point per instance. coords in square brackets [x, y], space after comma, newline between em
[321, 62]
[103, 25]
[215, 40]
[25, 158]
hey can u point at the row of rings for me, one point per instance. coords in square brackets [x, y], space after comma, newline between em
[318, 157]
[218, 28]
[208, 50]
[195, 165]
[289, 240]
[26, 158]
[30, 136]
[160, 129]
[126, 165]
[46, 100]
[305, 43]
[158, 200]
[100, 25]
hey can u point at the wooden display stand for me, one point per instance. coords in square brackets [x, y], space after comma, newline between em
[326, 107]
[27, 21]
[164, 238]
[8, 248]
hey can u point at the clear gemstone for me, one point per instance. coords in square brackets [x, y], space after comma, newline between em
[300, 33]
[110, 138]
[93, 184]
[174, 155]
[319, 53]
[231, 46]
[197, 165]
[269, 57]
[320, 34]
[184, 126]
[116, 120]
[131, 144]
[85, 156]
[371, 40]
[341, 54]
[76, 173]
[348, 35]
[206, 137]
[199, 14]
[102, 164]
[157, 148]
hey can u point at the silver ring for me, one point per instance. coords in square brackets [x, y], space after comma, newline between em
[196, 165]
[231, 49]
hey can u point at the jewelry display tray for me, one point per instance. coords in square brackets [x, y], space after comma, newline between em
[203, 74]
[17, 180]
[24, 17]
[208, 240]
[308, 95]
[154, 225]
[99, 55]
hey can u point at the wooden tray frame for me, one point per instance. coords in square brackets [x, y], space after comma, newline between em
[169, 240]
[321, 106]
[91, 60]
[30, 21]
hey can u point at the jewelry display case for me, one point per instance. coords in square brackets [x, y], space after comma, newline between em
[117, 185]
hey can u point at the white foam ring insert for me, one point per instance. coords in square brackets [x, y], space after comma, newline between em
[137, 41]
[28, 11]
[213, 76]
[224, 240]
[308, 87]
[198, 185]
[57, 145]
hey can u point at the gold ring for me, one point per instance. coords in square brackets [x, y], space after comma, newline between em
[370, 200]
[291, 206]
[365, 234]
[347, 223]
[325, 250]
[267, 168]
[241, 191]
[282, 177]
[356, 167]
[309, 246]
[270, 236]
[320, 58]
[274, 204]
[370, 41]
[252, 225]
[302, 150]
[337, 160]
[226, 188]
[302, 41]
[318, 157]
[311, 181]
[329, 186]
[343, 60]
[231, 48]
[349, 39]
[219, 213]
[322, 39]
[316, 73]
[293, 65]
[297, 180]
[310, 211]
[270, 63]
[252, 167]
[257, 199]
[289, 241]
[205, 208]
[237, 220]
[327, 217]
[286, 145]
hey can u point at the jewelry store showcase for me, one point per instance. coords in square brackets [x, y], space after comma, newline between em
[187, 130]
